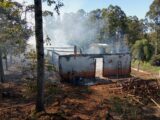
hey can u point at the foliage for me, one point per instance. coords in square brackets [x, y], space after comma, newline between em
[110, 19]
[153, 14]
[154, 9]
[155, 60]
[142, 50]
[13, 30]
[31, 55]
[30, 68]
[135, 29]
[146, 66]
[116, 19]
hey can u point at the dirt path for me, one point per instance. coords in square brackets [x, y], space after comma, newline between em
[135, 69]
[144, 74]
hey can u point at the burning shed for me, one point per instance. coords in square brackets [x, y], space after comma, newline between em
[72, 63]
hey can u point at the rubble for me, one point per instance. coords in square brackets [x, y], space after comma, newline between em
[142, 91]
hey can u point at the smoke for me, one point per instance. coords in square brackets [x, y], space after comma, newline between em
[83, 30]
[72, 29]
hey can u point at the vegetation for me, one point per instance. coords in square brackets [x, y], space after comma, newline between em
[14, 31]
[141, 35]
[142, 50]
[102, 25]
[40, 50]
[155, 61]
[146, 66]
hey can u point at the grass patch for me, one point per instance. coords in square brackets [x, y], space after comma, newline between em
[146, 66]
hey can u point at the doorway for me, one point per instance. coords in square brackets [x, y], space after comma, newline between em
[99, 67]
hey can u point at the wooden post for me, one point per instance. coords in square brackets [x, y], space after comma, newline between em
[75, 50]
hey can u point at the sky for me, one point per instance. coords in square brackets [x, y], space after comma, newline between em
[130, 7]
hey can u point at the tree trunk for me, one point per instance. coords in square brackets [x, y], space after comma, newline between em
[40, 55]
[10, 58]
[156, 45]
[138, 67]
[2, 79]
[6, 61]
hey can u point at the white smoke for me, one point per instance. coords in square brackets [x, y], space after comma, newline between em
[72, 29]
[79, 29]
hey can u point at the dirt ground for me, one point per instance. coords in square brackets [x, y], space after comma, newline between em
[67, 102]
[75, 103]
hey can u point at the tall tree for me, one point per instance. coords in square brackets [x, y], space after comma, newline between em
[40, 49]
[154, 9]
[13, 29]
[1, 67]
[154, 16]
[135, 29]
[40, 55]
[116, 19]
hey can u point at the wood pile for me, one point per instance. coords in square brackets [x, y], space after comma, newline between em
[142, 88]
[142, 91]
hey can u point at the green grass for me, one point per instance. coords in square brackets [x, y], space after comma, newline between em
[146, 66]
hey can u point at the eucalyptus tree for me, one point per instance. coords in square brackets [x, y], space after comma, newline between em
[135, 29]
[113, 18]
[40, 48]
[154, 15]
[116, 19]
[13, 29]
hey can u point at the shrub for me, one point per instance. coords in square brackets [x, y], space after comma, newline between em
[142, 50]
[155, 61]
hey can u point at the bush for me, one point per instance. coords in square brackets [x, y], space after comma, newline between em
[155, 61]
[142, 50]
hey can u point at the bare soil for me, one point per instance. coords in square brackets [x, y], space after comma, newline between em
[67, 102]
[72, 103]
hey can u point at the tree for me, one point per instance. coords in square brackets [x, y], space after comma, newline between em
[40, 50]
[154, 16]
[40, 55]
[154, 9]
[142, 50]
[113, 18]
[116, 19]
[13, 30]
[1, 68]
[135, 29]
